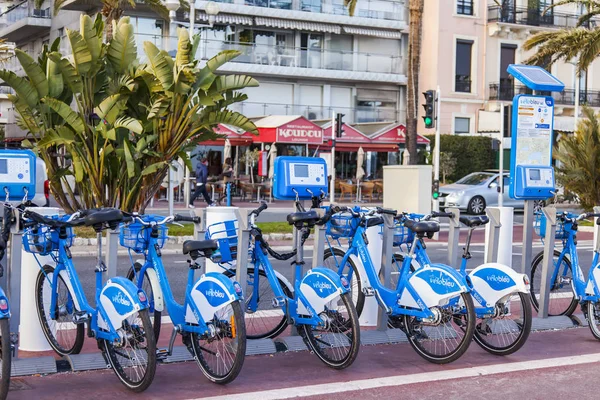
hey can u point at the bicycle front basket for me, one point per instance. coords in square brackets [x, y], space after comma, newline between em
[341, 225]
[43, 240]
[136, 236]
[539, 227]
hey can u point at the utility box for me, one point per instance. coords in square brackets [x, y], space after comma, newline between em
[408, 188]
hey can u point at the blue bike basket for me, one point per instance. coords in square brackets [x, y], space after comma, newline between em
[402, 235]
[341, 225]
[136, 236]
[225, 233]
[539, 227]
[43, 240]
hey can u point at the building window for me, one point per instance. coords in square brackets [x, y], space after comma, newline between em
[462, 125]
[464, 7]
[462, 80]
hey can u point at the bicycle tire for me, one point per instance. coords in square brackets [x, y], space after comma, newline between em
[503, 347]
[358, 297]
[157, 315]
[253, 321]
[42, 294]
[5, 357]
[555, 306]
[147, 335]
[238, 332]
[347, 328]
[593, 315]
[419, 337]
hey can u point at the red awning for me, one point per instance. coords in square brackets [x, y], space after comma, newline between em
[236, 137]
[395, 134]
[292, 129]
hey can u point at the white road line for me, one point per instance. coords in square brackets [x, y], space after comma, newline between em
[401, 380]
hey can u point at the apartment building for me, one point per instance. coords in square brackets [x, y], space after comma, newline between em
[310, 56]
[467, 46]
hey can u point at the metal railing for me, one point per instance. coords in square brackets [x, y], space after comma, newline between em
[376, 9]
[22, 10]
[6, 90]
[302, 57]
[352, 114]
[506, 92]
[462, 84]
[534, 17]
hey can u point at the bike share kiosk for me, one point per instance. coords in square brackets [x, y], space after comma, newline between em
[17, 180]
[531, 170]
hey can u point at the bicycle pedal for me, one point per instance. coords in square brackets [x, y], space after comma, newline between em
[368, 291]
[80, 317]
[162, 354]
[278, 302]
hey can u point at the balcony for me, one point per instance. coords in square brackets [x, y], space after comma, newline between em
[534, 17]
[307, 62]
[352, 115]
[22, 22]
[506, 92]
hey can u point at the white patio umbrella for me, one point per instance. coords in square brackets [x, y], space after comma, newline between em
[227, 150]
[272, 156]
[360, 172]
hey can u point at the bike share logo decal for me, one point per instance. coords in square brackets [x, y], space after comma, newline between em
[321, 286]
[496, 279]
[212, 293]
[119, 300]
[363, 254]
[438, 281]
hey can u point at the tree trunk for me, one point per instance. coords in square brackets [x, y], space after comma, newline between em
[414, 63]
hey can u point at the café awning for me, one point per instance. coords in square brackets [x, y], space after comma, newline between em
[290, 129]
[395, 133]
[236, 136]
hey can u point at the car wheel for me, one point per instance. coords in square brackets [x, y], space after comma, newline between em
[476, 205]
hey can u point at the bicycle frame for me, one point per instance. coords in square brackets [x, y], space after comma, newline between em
[179, 313]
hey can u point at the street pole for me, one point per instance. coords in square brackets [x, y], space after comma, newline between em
[192, 19]
[501, 160]
[577, 90]
[332, 189]
[436, 150]
[170, 189]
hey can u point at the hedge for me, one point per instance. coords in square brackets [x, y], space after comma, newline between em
[473, 153]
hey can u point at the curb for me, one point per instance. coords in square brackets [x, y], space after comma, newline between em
[47, 365]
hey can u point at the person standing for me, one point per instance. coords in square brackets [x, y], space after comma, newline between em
[201, 179]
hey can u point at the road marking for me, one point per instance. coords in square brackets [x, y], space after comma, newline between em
[401, 380]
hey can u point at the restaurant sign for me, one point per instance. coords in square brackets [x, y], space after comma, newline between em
[300, 131]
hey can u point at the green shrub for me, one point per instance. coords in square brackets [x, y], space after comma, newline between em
[473, 153]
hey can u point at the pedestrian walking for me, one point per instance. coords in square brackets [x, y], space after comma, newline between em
[201, 179]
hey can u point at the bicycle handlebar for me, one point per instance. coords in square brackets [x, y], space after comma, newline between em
[263, 206]
[387, 211]
[435, 214]
[185, 218]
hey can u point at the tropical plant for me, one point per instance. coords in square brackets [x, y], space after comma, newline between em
[130, 120]
[581, 43]
[578, 170]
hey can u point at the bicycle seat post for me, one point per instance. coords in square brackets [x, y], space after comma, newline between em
[466, 255]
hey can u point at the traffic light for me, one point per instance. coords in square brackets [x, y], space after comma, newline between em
[429, 107]
[339, 125]
[435, 190]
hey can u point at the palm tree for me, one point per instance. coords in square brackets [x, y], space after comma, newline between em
[415, 25]
[581, 43]
[112, 10]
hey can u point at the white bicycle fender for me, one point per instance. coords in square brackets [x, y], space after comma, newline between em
[67, 281]
[210, 293]
[434, 285]
[494, 281]
[157, 294]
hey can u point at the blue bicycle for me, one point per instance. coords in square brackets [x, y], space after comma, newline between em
[211, 320]
[119, 322]
[317, 304]
[431, 304]
[6, 346]
[568, 286]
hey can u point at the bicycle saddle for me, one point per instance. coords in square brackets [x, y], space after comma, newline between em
[109, 216]
[199, 245]
[474, 221]
[309, 217]
[422, 226]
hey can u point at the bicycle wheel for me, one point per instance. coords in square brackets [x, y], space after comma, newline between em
[562, 299]
[447, 337]
[508, 331]
[266, 321]
[593, 314]
[337, 342]
[5, 358]
[221, 356]
[332, 258]
[64, 336]
[155, 320]
[134, 358]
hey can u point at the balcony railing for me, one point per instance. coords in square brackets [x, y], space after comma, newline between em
[506, 92]
[534, 17]
[6, 90]
[302, 57]
[19, 12]
[462, 84]
[377, 9]
[352, 115]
